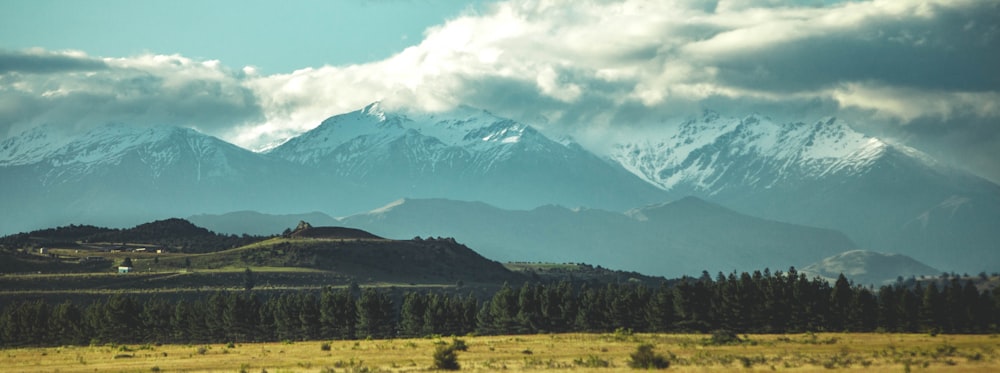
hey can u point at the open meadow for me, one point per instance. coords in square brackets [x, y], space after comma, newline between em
[685, 352]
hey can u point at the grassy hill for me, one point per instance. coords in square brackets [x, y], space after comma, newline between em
[308, 257]
[366, 259]
[174, 234]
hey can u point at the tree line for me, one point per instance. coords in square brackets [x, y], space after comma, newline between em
[758, 302]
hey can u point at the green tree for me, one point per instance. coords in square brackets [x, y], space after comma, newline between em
[338, 314]
[660, 310]
[500, 315]
[840, 304]
[411, 315]
[155, 318]
[67, 324]
[249, 280]
[375, 314]
[309, 316]
[122, 323]
[931, 308]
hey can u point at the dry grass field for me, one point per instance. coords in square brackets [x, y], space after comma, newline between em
[559, 352]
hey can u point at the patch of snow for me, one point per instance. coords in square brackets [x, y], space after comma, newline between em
[706, 154]
[484, 136]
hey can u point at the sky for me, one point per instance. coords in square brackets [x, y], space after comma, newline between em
[919, 73]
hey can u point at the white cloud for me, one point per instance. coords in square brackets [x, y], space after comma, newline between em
[909, 104]
[75, 91]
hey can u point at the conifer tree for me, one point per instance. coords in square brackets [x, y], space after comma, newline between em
[411, 315]
[375, 314]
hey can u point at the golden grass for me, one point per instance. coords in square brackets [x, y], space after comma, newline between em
[578, 352]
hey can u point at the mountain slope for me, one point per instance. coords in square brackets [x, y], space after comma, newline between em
[682, 237]
[868, 267]
[119, 175]
[884, 196]
[466, 154]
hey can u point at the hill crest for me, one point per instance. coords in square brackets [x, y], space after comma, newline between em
[306, 230]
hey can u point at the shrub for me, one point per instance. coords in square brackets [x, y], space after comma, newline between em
[324, 347]
[445, 358]
[724, 337]
[592, 361]
[459, 345]
[645, 358]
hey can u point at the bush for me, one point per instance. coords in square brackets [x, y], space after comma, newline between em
[324, 347]
[592, 361]
[724, 337]
[445, 358]
[459, 345]
[645, 358]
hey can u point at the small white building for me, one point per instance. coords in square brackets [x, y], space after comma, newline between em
[123, 269]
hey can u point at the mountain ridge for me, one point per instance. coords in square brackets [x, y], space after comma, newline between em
[683, 237]
[868, 267]
[884, 196]
[818, 173]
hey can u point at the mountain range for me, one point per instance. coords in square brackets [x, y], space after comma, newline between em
[885, 197]
[823, 174]
[680, 237]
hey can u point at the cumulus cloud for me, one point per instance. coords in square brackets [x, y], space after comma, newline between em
[661, 53]
[72, 91]
[587, 68]
[42, 61]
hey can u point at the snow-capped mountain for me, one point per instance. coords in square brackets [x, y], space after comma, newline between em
[160, 151]
[884, 196]
[481, 134]
[464, 154]
[120, 175]
[711, 155]
[115, 174]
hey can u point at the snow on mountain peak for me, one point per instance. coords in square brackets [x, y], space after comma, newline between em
[753, 151]
[158, 147]
[31, 146]
[467, 128]
[374, 110]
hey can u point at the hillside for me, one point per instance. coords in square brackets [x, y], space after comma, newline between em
[816, 173]
[306, 230]
[174, 234]
[379, 260]
[305, 256]
[683, 237]
[869, 267]
[823, 173]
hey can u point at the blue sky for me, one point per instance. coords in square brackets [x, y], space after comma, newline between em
[920, 73]
[277, 37]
